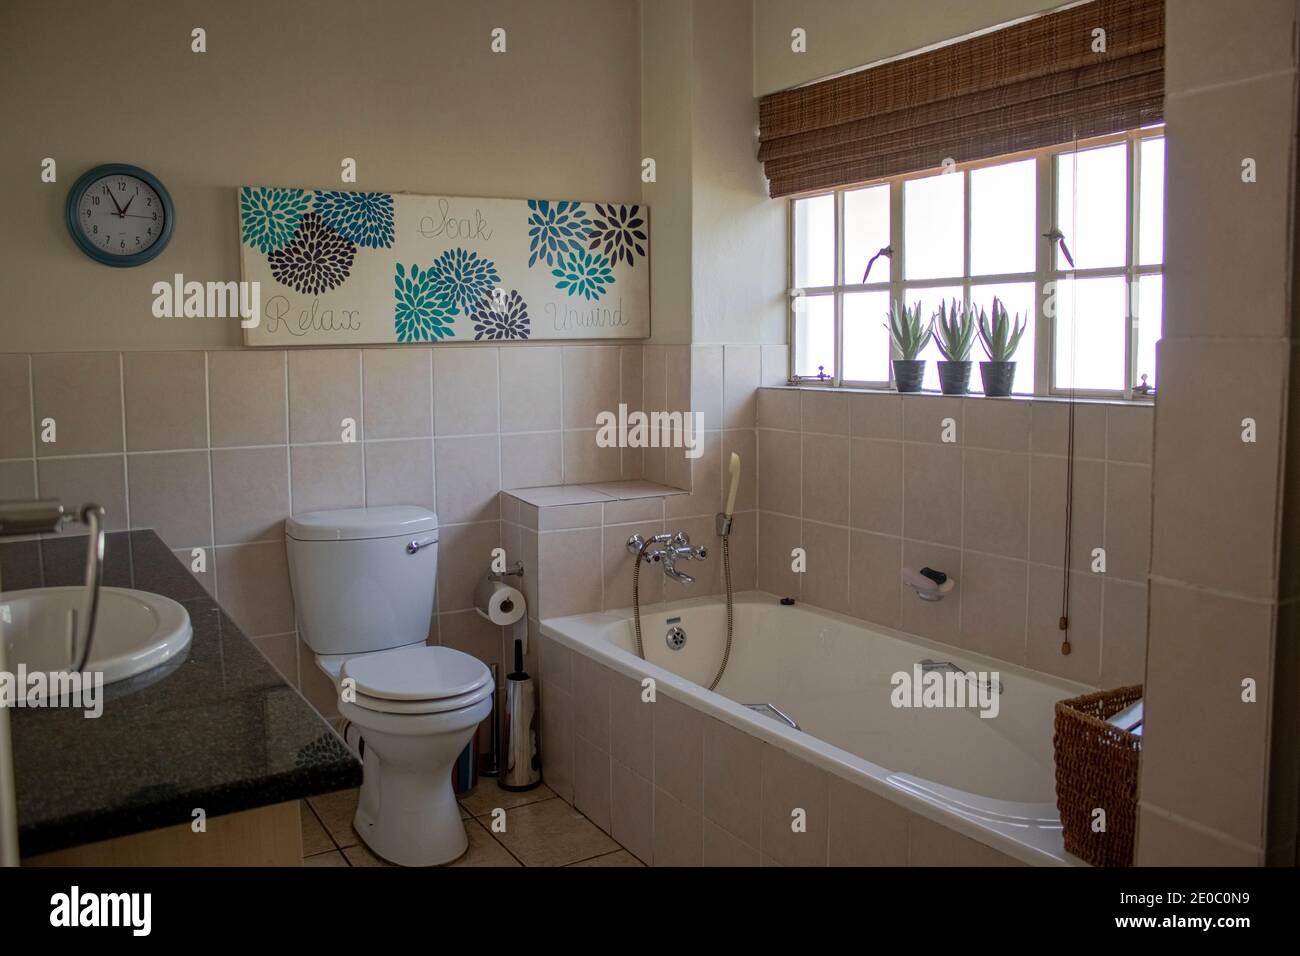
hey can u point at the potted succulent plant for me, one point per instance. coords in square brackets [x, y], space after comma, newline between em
[1000, 336]
[910, 336]
[954, 331]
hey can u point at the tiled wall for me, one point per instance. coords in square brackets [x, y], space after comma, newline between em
[214, 449]
[677, 787]
[865, 483]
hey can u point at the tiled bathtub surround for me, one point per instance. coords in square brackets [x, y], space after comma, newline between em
[678, 787]
[214, 449]
[866, 484]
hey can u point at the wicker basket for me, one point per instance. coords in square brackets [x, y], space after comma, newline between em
[1097, 766]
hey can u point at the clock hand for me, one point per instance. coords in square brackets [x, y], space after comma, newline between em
[109, 193]
[128, 204]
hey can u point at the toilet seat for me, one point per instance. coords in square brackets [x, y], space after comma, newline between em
[417, 679]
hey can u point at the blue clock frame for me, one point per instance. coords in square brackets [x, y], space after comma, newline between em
[89, 248]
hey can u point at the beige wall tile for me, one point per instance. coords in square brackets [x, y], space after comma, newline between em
[591, 383]
[876, 488]
[1050, 429]
[585, 461]
[324, 389]
[530, 389]
[654, 378]
[325, 477]
[1204, 750]
[322, 694]
[632, 384]
[779, 408]
[733, 763]
[247, 398]
[466, 395]
[875, 565]
[555, 665]
[825, 413]
[742, 376]
[632, 812]
[993, 596]
[1130, 433]
[1123, 633]
[706, 481]
[82, 392]
[1128, 521]
[723, 849]
[677, 377]
[679, 832]
[592, 783]
[706, 384]
[826, 477]
[555, 747]
[78, 481]
[465, 553]
[1043, 651]
[618, 564]
[400, 473]
[996, 510]
[531, 460]
[744, 551]
[925, 418]
[865, 829]
[569, 572]
[166, 400]
[591, 704]
[878, 415]
[791, 784]
[826, 582]
[932, 493]
[17, 480]
[777, 536]
[997, 423]
[780, 469]
[15, 407]
[172, 493]
[250, 494]
[1047, 510]
[468, 477]
[679, 751]
[282, 652]
[631, 725]
[934, 619]
[467, 631]
[930, 844]
[567, 517]
[397, 392]
[253, 588]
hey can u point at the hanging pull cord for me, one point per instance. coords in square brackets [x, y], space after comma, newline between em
[887, 252]
[1069, 528]
[1059, 238]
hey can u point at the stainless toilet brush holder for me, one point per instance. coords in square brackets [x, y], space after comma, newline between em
[521, 768]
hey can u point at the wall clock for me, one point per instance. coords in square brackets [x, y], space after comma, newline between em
[120, 215]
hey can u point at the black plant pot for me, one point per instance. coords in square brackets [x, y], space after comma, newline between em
[998, 377]
[908, 374]
[954, 377]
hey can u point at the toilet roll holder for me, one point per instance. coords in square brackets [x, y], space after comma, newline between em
[515, 570]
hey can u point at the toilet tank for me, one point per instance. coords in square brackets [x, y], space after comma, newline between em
[357, 585]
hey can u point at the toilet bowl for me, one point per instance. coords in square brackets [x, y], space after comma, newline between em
[363, 584]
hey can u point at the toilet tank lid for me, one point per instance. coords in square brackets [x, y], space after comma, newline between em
[350, 524]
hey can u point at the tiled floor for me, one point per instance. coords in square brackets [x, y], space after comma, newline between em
[540, 830]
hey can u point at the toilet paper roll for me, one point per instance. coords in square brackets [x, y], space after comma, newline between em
[499, 602]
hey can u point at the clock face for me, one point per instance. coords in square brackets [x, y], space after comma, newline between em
[121, 217]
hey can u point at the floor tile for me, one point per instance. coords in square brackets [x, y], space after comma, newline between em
[332, 858]
[336, 811]
[482, 851]
[551, 833]
[617, 858]
[314, 838]
[487, 796]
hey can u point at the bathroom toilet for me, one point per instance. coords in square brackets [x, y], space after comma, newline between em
[363, 586]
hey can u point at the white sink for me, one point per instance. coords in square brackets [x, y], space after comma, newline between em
[134, 630]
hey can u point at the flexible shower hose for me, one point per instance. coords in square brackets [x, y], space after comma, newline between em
[636, 605]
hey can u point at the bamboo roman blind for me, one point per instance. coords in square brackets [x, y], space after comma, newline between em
[1026, 86]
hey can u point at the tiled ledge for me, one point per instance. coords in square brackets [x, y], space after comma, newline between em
[596, 492]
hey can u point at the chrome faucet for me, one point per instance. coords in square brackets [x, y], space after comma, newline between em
[667, 549]
[46, 517]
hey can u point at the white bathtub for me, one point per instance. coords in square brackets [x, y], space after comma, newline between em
[987, 778]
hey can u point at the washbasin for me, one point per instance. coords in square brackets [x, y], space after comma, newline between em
[135, 631]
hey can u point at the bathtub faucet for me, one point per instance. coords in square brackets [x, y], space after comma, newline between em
[668, 549]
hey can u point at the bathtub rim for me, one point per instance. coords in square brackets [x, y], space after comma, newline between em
[933, 801]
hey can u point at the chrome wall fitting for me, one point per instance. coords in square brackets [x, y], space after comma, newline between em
[929, 584]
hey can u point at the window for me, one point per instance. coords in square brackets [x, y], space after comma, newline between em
[976, 232]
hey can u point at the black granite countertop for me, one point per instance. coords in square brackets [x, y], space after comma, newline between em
[215, 728]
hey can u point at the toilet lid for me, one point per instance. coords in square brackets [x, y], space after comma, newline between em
[416, 673]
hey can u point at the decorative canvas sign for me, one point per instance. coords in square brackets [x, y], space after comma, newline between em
[372, 268]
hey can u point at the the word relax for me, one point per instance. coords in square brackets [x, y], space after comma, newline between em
[75, 908]
[83, 689]
[650, 430]
[952, 689]
[208, 300]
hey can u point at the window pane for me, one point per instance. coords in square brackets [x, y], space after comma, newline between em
[814, 242]
[866, 338]
[866, 232]
[1151, 203]
[1150, 318]
[1092, 207]
[930, 299]
[814, 334]
[1090, 329]
[934, 226]
[1018, 297]
[1002, 200]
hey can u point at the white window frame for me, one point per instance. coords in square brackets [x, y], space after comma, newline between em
[1045, 271]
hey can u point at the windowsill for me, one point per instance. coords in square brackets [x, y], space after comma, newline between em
[1053, 399]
